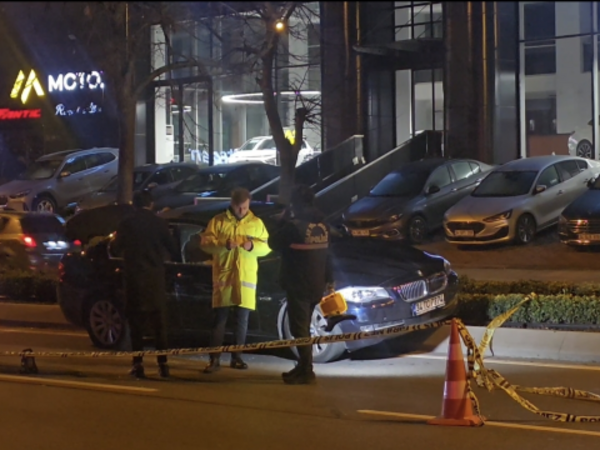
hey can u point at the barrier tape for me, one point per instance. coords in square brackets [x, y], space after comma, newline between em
[484, 378]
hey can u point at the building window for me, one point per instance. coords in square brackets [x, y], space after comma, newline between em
[541, 116]
[587, 53]
[314, 57]
[540, 29]
[540, 60]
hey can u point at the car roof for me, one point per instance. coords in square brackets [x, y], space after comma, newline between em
[77, 152]
[151, 167]
[534, 162]
[204, 211]
[423, 165]
[229, 166]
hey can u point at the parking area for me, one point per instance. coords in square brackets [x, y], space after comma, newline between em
[545, 252]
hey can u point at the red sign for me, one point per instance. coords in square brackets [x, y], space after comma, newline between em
[14, 114]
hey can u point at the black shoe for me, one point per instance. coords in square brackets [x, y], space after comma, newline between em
[291, 373]
[213, 366]
[137, 371]
[163, 370]
[301, 378]
[238, 363]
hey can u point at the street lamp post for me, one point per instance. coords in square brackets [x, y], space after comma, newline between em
[279, 27]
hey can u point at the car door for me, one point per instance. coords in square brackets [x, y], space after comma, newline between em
[438, 202]
[99, 172]
[465, 179]
[72, 183]
[548, 205]
[573, 180]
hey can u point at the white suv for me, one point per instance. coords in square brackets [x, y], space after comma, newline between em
[262, 149]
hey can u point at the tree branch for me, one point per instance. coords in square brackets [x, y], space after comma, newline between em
[166, 69]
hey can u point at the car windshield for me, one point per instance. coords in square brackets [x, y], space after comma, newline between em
[506, 184]
[250, 144]
[201, 182]
[138, 180]
[41, 170]
[40, 224]
[400, 184]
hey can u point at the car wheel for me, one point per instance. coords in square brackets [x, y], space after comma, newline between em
[106, 324]
[585, 149]
[44, 203]
[322, 353]
[417, 230]
[525, 230]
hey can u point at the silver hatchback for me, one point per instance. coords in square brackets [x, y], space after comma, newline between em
[518, 199]
[55, 180]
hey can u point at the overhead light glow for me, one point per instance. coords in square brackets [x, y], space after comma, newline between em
[255, 98]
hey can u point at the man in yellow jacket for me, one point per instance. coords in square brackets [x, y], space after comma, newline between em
[235, 239]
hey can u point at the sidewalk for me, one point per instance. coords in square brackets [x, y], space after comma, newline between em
[501, 274]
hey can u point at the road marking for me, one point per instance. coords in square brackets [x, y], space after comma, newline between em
[487, 423]
[76, 384]
[515, 363]
[43, 331]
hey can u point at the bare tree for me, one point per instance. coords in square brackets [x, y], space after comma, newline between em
[254, 35]
[115, 37]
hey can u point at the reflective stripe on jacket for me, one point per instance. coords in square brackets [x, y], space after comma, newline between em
[235, 271]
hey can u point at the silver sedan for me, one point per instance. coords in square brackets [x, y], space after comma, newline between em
[518, 199]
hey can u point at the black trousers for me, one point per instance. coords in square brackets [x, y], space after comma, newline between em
[153, 321]
[219, 322]
[300, 310]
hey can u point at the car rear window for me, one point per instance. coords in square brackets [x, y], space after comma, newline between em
[41, 224]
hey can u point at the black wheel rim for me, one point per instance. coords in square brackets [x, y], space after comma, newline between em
[585, 150]
[525, 229]
[417, 230]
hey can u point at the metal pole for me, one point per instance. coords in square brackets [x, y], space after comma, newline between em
[211, 136]
[180, 122]
[595, 105]
[276, 77]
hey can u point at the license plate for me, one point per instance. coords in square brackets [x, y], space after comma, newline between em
[589, 237]
[464, 233]
[360, 232]
[428, 305]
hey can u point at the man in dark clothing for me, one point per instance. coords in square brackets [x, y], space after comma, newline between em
[144, 241]
[302, 237]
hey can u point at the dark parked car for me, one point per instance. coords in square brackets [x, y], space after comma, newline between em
[32, 241]
[579, 223]
[156, 177]
[411, 202]
[217, 181]
[385, 283]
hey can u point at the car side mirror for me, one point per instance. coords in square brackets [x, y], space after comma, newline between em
[152, 185]
[64, 174]
[433, 189]
[539, 189]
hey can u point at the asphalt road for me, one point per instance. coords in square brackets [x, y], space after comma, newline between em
[545, 252]
[93, 404]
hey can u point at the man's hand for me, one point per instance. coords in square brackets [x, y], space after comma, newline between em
[230, 244]
[248, 245]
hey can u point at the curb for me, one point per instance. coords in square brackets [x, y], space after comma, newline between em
[507, 274]
[515, 343]
[27, 315]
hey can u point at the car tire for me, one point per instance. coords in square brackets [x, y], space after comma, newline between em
[417, 230]
[44, 203]
[322, 353]
[525, 229]
[585, 149]
[106, 324]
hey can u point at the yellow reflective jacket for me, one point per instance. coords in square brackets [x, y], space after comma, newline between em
[235, 271]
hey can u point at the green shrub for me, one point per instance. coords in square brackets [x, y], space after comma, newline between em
[475, 287]
[20, 285]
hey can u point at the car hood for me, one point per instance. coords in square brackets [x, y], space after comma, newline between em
[16, 186]
[478, 208]
[586, 206]
[369, 208]
[373, 262]
[97, 199]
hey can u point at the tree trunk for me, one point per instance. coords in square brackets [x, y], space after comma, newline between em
[126, 152]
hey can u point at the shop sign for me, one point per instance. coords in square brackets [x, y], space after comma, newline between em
[32, 83]
[15, 114]
[63, 110]
[72, 81]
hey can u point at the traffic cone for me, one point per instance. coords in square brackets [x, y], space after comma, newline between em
[456, 407]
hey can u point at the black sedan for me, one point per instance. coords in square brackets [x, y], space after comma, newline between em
[579, 223]
[216, 182]
[410, 202]
[385, 284]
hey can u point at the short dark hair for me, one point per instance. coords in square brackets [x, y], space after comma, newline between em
[239, 195]
[142, 199]
[302, 196]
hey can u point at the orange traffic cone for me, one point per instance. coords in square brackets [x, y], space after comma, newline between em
[456, 407]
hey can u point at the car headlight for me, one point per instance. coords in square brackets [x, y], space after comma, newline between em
[502, 216]
[364, 294]
[395, 218]
[21, 194]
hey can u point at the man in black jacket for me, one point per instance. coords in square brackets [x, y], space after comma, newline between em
[144, 241]
[302, 237]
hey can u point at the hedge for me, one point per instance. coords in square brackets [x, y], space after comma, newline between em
[20, 285]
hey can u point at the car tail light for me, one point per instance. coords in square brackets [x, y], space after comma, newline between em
[29, 241]
[77, 243]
